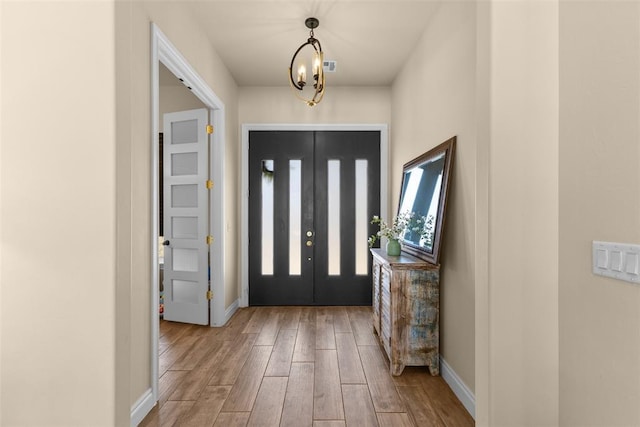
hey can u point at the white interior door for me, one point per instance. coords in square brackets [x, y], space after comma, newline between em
[186, 278]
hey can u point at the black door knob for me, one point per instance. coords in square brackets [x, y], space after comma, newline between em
[166, 243]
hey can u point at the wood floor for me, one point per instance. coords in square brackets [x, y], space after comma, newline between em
[293, 366]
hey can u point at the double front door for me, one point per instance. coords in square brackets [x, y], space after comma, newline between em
[311, 198]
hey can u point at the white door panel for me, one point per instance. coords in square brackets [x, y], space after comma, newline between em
[186, 280]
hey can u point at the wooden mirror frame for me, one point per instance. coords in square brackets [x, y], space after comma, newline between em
[448, 148]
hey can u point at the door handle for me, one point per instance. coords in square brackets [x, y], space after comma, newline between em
[309, 243]
[309, 233]
[166, 243]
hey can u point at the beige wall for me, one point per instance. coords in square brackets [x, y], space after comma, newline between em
[1, 222]
[523, 215]
[57, 214]
[599, 191]
[562, 344]
[83, 177]
[176, 98]
[341, 105]
[124, 228]
[433, 99]
[180, 27]
[481, 243]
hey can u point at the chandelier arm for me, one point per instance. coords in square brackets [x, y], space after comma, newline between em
[291, 82]
[319, 92]
[300, 97]
[319, 78]
[318, 49]
[293, 59]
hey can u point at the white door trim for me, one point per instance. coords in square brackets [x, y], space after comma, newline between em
[244, 226]
[162, 50]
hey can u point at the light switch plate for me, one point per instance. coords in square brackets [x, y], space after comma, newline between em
[601, 258]
[616, 260]
[631, 263]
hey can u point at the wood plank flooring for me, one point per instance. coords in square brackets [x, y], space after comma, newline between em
[293, 366]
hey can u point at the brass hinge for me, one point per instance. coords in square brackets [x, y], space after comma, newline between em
[209, 129]
[209, 295]
[209, 240]
[209, 184]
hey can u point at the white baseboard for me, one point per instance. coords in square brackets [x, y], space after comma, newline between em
[142, 407]
[231, 310]
[459, 388]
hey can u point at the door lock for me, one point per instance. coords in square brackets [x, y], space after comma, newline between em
[309, 233]
[309, 243]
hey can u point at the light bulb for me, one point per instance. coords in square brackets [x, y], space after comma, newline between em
[302, 75]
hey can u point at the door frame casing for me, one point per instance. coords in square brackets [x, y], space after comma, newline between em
[179, 66]
[163, 51]
[244, 226]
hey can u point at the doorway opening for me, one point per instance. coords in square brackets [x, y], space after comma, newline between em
[165, 54]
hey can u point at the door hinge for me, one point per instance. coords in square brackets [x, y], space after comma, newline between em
[209, 240]
[209, 184]
[209, 295]
[209, 129]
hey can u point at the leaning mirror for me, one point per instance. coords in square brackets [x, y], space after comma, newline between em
[423, 201]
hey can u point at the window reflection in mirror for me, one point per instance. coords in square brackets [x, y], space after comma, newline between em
[421, 196]
[423, 200]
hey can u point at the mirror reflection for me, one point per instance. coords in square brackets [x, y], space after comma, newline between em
[421, 186]
[423, 198]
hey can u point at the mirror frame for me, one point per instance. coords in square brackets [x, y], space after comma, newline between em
[447, 147]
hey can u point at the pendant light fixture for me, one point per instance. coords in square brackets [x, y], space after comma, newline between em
[316, 60]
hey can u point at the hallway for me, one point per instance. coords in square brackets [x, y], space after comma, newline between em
[293, 366]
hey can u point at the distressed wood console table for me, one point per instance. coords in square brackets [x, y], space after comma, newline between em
[406, 310]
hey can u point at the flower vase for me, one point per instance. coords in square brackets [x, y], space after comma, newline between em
[393, 247]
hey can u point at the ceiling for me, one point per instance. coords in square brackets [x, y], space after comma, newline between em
[370, 40]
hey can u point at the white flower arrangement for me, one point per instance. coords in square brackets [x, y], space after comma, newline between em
[391, 232]
[405, 222]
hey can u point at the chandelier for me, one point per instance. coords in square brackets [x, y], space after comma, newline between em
[299, 82]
